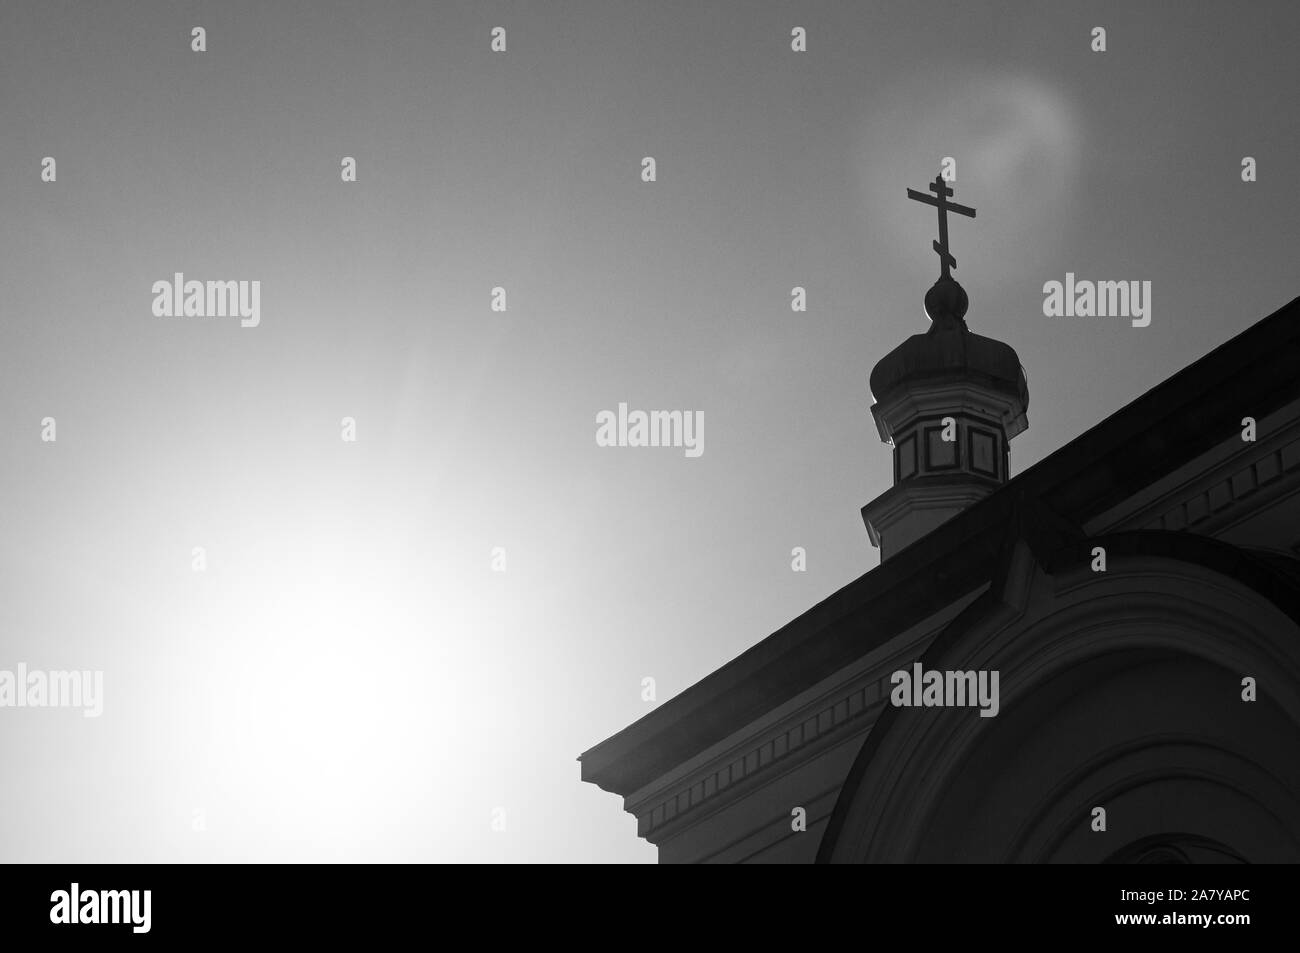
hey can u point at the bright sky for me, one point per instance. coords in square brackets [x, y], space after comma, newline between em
[350, 679]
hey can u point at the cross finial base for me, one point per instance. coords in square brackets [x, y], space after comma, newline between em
[946, 303]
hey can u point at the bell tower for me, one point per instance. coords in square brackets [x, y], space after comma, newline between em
[949, 402]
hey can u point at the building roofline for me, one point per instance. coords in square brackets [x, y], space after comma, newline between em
[1169, 425]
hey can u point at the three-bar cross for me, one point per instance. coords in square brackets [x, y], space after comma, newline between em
[940, 201]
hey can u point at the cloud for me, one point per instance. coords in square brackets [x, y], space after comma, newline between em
[1015, 140]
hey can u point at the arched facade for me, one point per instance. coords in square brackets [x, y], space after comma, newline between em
[1120, 690]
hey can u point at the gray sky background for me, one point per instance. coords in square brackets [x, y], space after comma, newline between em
[349, 680]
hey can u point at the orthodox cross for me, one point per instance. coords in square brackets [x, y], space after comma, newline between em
[940, 201]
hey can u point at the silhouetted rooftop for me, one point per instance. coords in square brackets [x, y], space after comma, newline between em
[1167, 427]
[949, 351]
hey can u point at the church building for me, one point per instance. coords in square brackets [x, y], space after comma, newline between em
[1093, 661]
